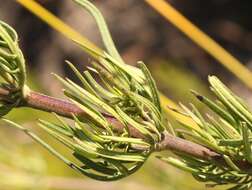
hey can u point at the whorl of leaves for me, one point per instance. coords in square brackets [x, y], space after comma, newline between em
[227, 133]
[12, 68]
[125, 93]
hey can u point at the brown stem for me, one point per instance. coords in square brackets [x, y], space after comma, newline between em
[65, 108]
[180, 145]
[50, 104]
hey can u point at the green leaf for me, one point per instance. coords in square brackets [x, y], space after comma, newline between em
[96, 166]
[230, 101]
[57, 128]
[84, 82]
[216, 108]
[126, 140]
[89, 133]
[128, 120]
[106, 36]
[178, 164]
[247, 144]
[151, 84]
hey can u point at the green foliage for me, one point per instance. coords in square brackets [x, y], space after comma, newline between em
[228, 134]
[128, 95]
[93, 140]
[124, 121]
[12, 68]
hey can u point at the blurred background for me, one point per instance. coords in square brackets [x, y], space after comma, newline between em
[140, 33]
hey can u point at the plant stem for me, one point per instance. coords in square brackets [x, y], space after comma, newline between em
[180, 145]
[65, 108]
[51, 104]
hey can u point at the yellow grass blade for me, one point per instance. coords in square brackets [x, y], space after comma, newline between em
[56, 23]
[203, 40]
[70, 33]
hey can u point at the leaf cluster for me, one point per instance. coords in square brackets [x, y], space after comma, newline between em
[12, 69]
[228, 133]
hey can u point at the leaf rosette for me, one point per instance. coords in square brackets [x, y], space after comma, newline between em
[12, 69]
[122, 124]
[123, 118]
[228, 133]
